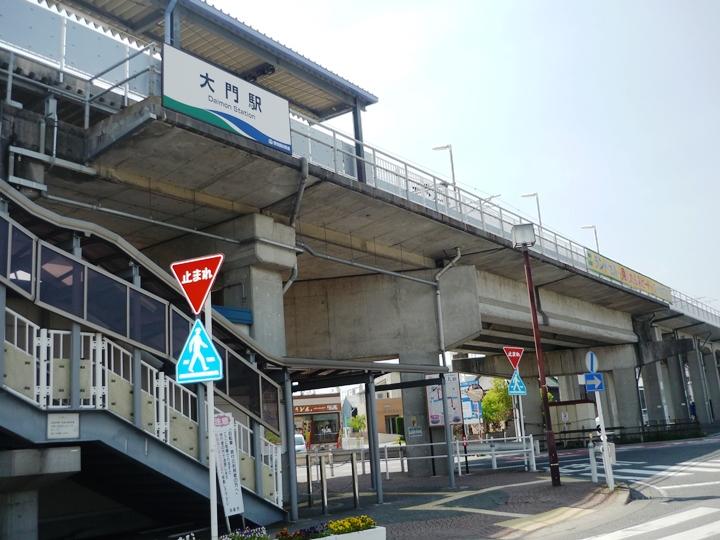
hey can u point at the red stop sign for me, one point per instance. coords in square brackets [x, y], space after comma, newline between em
[514, 354]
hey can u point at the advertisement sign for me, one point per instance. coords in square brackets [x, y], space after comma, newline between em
[227, 464]
[471, 406]
[193, 87]
[317, 408]
[435, 400]
[631, 278]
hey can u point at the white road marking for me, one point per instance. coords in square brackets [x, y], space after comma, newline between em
[683, 467]
[699, 484]
[645, 472]
[698, 533]
[618, 476]
[657, 524]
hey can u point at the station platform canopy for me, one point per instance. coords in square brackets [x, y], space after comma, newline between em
[219, 38]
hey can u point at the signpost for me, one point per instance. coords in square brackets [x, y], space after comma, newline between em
[517, 386]
[199, 361]
[594, 382]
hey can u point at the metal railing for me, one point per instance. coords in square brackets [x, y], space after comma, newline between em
[331, 149]
[132, 76]
[38, 371]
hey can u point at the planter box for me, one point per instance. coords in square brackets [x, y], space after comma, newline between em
[378, 533]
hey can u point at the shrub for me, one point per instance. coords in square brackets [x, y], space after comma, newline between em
[308, 533]
[248, 533]
[351, 524]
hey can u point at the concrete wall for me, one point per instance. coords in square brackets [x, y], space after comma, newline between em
[505, 301]
[378, 316]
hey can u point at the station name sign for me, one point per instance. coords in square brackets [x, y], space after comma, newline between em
[210, 94]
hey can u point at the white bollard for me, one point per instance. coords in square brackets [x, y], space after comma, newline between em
[387, 465]
[457, 457]
[593, 463]
[533, 465]
[493, 456]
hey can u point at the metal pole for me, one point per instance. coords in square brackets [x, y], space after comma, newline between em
[607, 465]
[373, 437]
[597, 244]
[356, 487]
[323, 487]
[533, 466]
[448, 431]
[211, 431]
[522, 430]
[537, 203]
[387, 466]
[290, 441]
[309, 480]
[550, 436]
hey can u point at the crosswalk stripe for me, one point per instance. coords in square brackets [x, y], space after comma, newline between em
[618, 476]
[657, 524]
[698, 533]
[653, 473]
[693, 468]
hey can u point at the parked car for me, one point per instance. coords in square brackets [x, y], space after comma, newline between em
[300, 444]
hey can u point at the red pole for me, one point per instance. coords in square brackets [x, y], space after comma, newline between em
[549, 435]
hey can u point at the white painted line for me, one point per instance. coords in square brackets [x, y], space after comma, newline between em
[699, 484]
[698, 533]
[645, 472]
[618, 476]
[692, 468]
[657, 524]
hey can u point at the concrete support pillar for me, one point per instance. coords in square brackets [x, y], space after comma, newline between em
[625, 394]
[414, 402]
[260, 290]
[699, 387]
[677, 389]
[713, 384]
[373, 439]
[532, 407]
[569, 388]
[19, 515]
[609, 403]
[652, 386]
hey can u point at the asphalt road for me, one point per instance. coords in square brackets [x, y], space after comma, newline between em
[674, 491]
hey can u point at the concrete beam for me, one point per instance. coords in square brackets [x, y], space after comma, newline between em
[364, 246]
[570, 362]
[30, 469]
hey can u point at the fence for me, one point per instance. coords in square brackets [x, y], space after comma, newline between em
[37, 368]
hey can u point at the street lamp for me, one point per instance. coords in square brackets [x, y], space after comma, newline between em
[488, 199]
[448, 147]
[523, 236]
[537, 202]
[594, 228]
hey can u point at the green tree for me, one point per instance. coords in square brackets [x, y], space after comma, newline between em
[358, 423]
[496, 405]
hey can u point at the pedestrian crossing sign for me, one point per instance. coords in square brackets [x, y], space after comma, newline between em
[517, 386]
[199, 360]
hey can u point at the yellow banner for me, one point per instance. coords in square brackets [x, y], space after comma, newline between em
[623, 274]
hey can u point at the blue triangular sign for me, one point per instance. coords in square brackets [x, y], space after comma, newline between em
[199, 360]
[517, 386]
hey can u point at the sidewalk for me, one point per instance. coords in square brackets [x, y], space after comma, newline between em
[487, 504]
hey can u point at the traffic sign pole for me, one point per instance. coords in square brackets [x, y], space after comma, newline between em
[211, 431]
[607, 465]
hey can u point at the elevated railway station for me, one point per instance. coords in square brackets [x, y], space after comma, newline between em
[135, 133]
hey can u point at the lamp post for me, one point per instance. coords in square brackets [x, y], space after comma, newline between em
[448, 147]
[488, 199]
[594, 228]
[523, 236]
[537, 203]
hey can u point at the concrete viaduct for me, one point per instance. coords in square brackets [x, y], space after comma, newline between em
[345, 255]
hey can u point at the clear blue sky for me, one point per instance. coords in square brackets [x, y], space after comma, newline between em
[610, 110]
